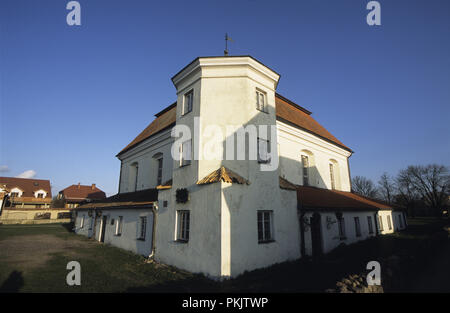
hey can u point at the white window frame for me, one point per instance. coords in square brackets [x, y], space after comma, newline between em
[261, 106]
[305, 168]
[380, 222]
[389, 221]
[184, 161]
[183, 225]
[266, 216]
[266, 153]
[119, 226]
[188, 102]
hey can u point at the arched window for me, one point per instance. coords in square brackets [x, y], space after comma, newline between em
[307, 161]
[334, 174]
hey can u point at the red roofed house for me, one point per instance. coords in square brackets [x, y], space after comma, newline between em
[28, 201]
[75, 194]
[232, 177]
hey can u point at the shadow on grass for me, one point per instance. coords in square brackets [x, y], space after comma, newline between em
[399, 254]
[13, 283]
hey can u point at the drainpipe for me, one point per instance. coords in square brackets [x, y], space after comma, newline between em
[154, 210]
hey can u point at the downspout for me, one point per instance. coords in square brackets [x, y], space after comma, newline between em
[154, 210]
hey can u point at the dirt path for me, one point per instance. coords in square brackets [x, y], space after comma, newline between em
[32, 251]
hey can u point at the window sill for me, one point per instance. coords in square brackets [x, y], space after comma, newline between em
[117, 235]
[141, 239]
[181, 241]
[264, 161]
[265, 241]
[185, 165]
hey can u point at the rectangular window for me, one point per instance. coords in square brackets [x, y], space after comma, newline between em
[305, 165]
[341, 225]
[136, 178]
[160, 168]
[400, 220]
[263, 150]
[82, 221]
[143, 229]
[188, 101]
[332, 176]
[389, 222]
[261, 101]
[186, 153]
[119, 223]
[357, 227]
[265, 226]
[380, 219]
[14, 194]
[91, 224]
[40, 195]
[183, 219]
[369, 222]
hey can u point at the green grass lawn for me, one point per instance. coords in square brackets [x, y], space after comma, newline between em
[33, 258]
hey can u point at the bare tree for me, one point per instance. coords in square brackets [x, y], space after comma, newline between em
[406, 193]
[364, 186]
[431, 182]
[386, 187]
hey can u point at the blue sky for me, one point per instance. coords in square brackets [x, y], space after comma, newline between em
[71, 97]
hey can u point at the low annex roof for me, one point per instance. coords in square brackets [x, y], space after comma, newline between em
[318, 198]
[125, 200]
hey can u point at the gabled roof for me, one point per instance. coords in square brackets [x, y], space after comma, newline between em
[318, 198]
[225, 175]
[164, 119]
[286, 111]
[81, 192]
[292, 113]
[27, 185]
[285, 184]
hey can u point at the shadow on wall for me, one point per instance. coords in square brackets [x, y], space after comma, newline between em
[13, 283]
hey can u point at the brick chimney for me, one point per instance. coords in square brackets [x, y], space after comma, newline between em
[93, 186]
[78, 185]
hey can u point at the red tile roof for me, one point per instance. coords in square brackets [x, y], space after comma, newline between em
[81, 192]
[225, 175]
[317, 198]
[164, 119]
[27, 185]
[286, 110]
[294, 114]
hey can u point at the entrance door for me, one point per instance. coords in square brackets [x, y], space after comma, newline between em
[102, 229]
[316, 234]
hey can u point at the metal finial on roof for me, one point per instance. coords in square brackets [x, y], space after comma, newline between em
[225, 52]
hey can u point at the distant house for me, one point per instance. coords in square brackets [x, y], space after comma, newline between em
[75, 194]
[27, 193]
[28, 201]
